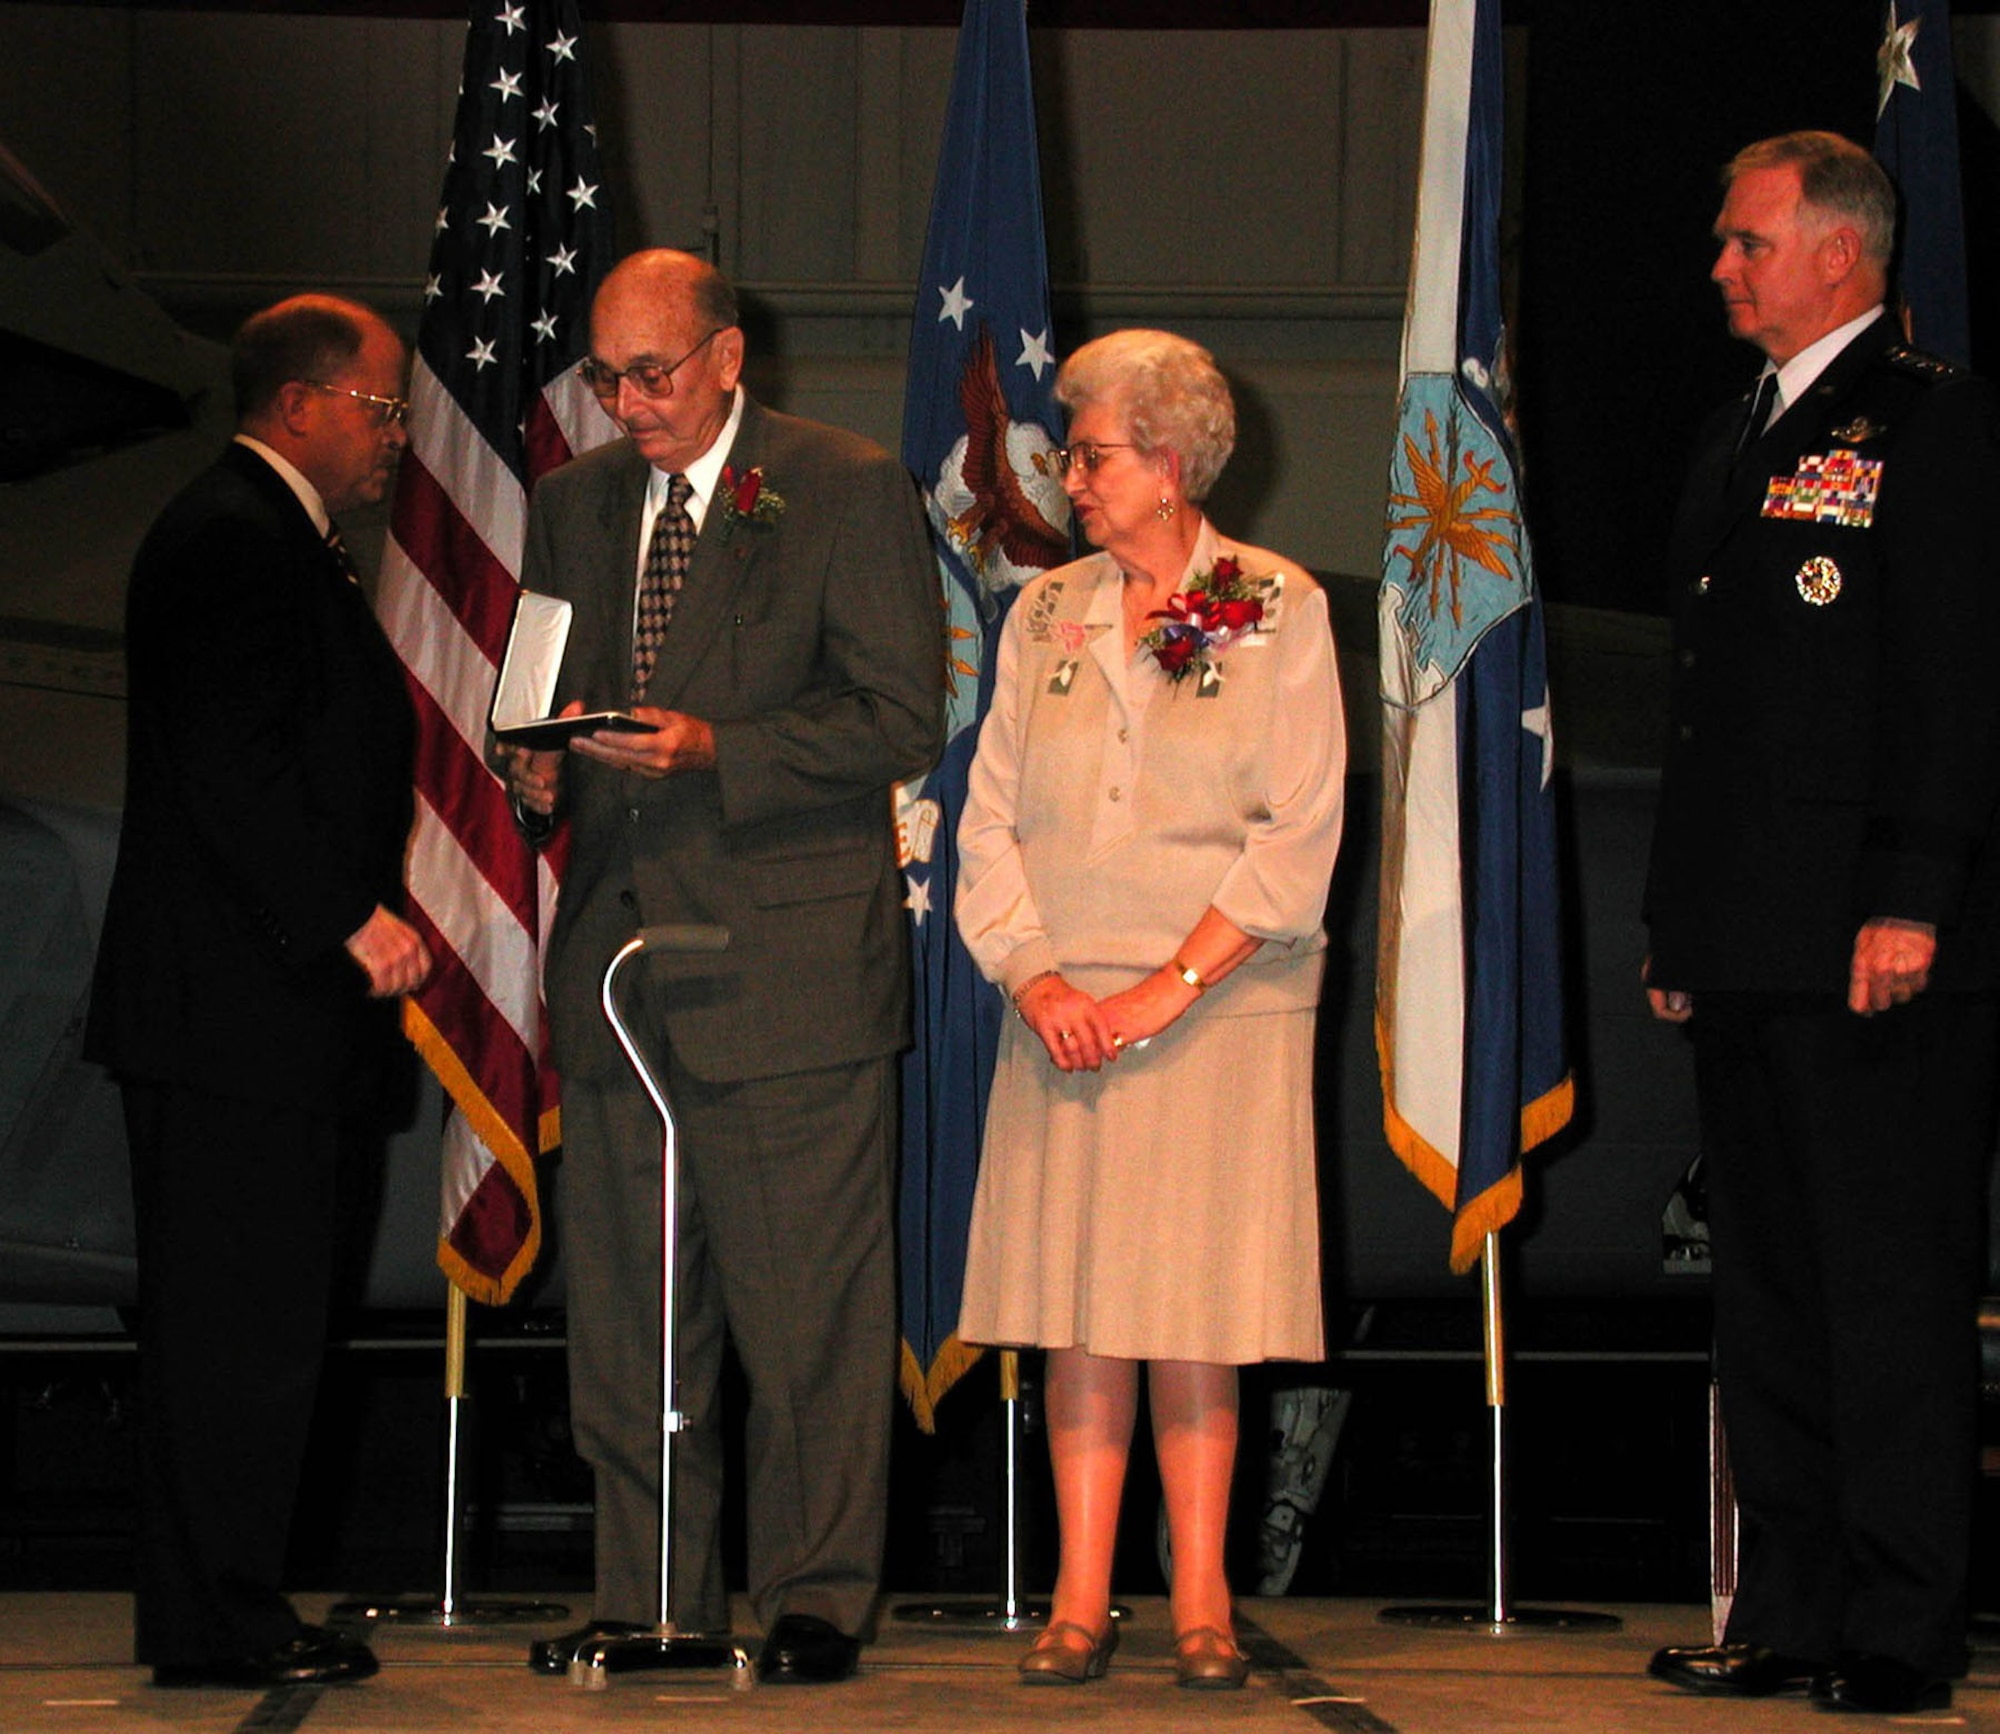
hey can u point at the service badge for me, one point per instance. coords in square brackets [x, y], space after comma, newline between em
[1818, 580]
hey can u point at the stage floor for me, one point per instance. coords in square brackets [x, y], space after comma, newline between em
[1319, 1664]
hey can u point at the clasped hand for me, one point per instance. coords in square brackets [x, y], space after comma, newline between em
[1083, 1034]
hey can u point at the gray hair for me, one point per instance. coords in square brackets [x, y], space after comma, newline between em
[1837, 179]
[1169, 393]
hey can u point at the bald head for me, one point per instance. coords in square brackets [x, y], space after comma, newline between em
[665, 277]
[670, 319]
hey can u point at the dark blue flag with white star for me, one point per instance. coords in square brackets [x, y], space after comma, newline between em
[979, 434]
[1916, 141]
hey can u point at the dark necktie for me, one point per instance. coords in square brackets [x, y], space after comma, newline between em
[1759, 417]
[338, 549]
[660, 584]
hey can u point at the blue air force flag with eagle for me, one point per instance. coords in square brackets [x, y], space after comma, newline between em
[980, 435]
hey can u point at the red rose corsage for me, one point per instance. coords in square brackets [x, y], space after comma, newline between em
[1218, 607]
[747, 499]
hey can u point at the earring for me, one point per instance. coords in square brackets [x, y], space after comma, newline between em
[1165, 509]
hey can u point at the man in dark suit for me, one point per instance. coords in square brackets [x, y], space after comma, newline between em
[797, 677]
[1822, 908]
[248, 971]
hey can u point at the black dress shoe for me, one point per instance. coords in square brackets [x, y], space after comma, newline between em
[554, 1655]
[1732, 1670]
[805, 1650]
[315, 1657]
[1881, 1686]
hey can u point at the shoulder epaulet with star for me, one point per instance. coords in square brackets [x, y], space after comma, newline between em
[1921, 363]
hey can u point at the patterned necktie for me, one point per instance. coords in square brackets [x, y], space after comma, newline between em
[338, 549]
[666, 571]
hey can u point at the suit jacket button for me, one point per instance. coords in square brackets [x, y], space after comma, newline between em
[628, 899]
[1685, 731]
[1701, 585]
[632, 813]
[1687, 659]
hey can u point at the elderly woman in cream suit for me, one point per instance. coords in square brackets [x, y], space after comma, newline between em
[1146, 849]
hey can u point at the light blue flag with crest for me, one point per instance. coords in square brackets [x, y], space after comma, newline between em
[1468, 1007]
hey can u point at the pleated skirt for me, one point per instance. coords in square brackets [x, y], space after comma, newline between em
[1165, 1208]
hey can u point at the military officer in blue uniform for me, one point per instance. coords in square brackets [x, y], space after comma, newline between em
[1823, 908]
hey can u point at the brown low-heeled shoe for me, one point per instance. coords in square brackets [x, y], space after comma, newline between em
[1068, 1654]
[1207, 1659]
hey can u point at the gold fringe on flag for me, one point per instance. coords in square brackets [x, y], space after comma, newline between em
[508, 1150]
[925, 1390]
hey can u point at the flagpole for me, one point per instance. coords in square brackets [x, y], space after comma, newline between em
[447, 1609]
[982, 284]
[495, 404]
[1498, 1615]
[1010, 1613]
[1011, 1616]
[1494, 1342]
[1468, 996]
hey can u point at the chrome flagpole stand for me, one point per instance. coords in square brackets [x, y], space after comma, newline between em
[450, 1609]
[1499, 1615]
[1010, 1613]
[597, 1659]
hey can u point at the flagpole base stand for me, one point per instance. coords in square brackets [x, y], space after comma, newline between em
[983, 1616]
[1462, 1619]
[435, 1613]
[658, 1652]
[979, 1616]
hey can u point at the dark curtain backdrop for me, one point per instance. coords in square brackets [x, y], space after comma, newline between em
[1621, 350]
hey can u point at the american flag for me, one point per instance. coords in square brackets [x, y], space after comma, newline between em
[523, 236]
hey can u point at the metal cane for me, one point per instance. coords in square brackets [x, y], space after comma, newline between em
[665, 1646]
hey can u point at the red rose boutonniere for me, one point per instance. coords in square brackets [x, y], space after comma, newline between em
[1218, 607]
[746, 499]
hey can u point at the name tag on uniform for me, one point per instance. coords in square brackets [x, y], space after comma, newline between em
[1838, 487]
